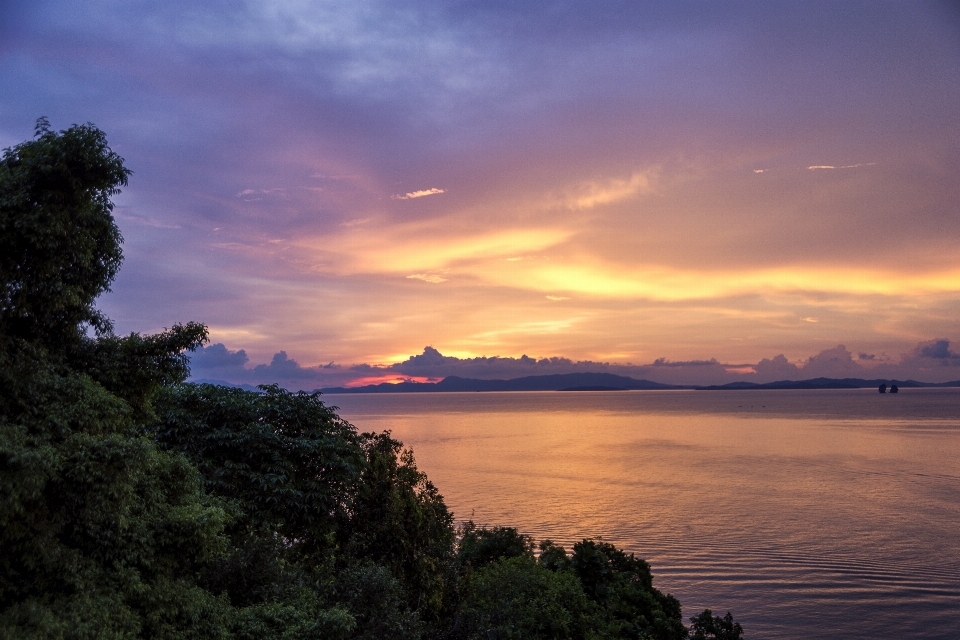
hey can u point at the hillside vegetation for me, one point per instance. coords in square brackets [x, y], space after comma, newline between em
[136, 505]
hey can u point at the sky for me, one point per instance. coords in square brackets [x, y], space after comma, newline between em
[366, 191]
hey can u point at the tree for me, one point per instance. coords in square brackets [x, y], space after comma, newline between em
[481, 546]
[515, 597]
[399, 520]
[290, 464]
[315, 503]
[59, 247]
[103, 533]
[623, 585]
[707, 626]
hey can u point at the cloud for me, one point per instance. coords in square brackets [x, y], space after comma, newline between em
[866, 356]
[624, 131]
[216, 360]
[435, 365]
[818, 167]
[425, 247]
[777, 368]
[837, 362]
[282, 367]
[419, 194]
[217, 363]
[428, 277]
[937, 350]
[591, 194]
[557, 298]
[600, 278]
[663, 362]
[252, 195]
[930, 361]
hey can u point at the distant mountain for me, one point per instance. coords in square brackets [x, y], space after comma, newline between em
[555, 382]
[611, 382]
[828, 383]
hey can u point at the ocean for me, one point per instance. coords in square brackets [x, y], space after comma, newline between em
[807, 514]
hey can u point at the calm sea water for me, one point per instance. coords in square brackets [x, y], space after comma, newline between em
[808, 514]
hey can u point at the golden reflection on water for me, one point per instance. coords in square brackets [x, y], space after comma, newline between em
[766, 503]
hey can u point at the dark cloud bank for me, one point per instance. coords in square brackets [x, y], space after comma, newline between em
[930, 361]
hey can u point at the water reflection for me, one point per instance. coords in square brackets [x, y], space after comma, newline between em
[807, 513]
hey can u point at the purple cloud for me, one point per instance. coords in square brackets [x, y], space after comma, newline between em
[777, 368]
[938, 350]
[216, 362]
[317, 113]
[837, 362]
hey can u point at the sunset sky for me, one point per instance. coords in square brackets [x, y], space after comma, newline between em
[681, 190]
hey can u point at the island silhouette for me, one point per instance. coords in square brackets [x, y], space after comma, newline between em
[588, 381]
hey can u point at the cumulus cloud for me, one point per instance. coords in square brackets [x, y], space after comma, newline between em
[937, 350]
[216, 358]
[777, 368]
[284, 368]
[217, 363]
[931, 361]
[431, 363]
[837, 362]
[419, 194]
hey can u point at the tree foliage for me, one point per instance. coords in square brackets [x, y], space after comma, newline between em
[399, 519]
[136, 505]
[104, 533]
[707, 626]
[479, 546]
[59, 247]
[288, 462]
[515, 597]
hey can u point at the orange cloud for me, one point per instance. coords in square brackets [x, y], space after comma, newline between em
[428, 277]
[599, 279]
[587, 195]
[424, 247]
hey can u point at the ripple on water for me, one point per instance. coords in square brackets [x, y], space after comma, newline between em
[807, 514]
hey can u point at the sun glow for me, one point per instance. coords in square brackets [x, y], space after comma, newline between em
[666, 283]
[388, 379]
[411, 249]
